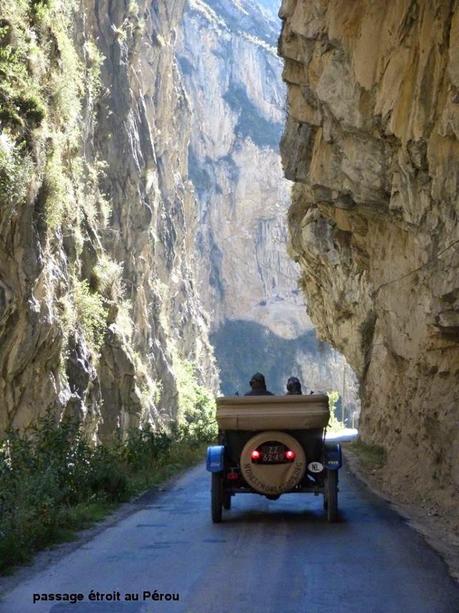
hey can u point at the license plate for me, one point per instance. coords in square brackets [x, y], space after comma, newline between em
[272, 454]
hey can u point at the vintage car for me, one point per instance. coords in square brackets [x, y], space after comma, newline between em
[273, 445]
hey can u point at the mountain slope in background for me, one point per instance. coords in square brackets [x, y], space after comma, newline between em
[232, 78]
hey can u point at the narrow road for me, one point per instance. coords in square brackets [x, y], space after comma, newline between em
[267, 556]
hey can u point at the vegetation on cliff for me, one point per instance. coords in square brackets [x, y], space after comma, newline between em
[83, 298]
[49, 182]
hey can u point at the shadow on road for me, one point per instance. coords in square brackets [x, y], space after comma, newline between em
[252, 516]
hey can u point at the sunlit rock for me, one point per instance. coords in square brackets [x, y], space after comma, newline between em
[371, 143]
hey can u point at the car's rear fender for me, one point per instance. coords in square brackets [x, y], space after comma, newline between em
[215, 458]
[333, 459]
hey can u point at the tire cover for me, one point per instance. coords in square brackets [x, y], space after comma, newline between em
[273, 478]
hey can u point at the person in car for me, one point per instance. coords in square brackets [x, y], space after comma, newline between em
[258, 386]
[293, 387]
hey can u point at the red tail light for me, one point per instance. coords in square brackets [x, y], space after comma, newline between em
[232, 476]
[290, 455]
[256, 455]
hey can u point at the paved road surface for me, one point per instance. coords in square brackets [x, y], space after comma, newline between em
[266, 557]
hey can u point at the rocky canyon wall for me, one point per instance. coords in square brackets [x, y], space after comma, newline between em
[372, 145]
[232, 77]
[98, 309]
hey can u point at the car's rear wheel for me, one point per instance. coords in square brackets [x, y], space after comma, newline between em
[217, 497]
[331, 500]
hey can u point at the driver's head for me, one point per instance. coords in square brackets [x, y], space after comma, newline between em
[293, 385]
[257, 381]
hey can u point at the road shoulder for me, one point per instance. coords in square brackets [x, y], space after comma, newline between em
[434, 528]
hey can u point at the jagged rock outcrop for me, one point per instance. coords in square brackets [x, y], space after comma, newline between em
[372, 145]
[98, 307]
[232, 77]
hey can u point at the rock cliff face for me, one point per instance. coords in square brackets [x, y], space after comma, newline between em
[372, 145]
[98, 308]
[232, 77]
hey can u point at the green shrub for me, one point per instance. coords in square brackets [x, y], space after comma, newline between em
[143, 447]
[196, 404]
[21, 102]
[108, 474]
[32, 108]
[53, 481]
[334, 425]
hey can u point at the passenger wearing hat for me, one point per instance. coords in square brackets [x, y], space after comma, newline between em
[293, 386]
[258, 386]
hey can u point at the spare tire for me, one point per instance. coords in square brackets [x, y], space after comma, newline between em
[274, 478]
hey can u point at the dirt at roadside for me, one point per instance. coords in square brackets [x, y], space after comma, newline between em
[439, 530]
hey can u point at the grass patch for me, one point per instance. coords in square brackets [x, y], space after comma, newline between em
[91, 314]
[371, 456]
[83, 515]
[54, 482]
